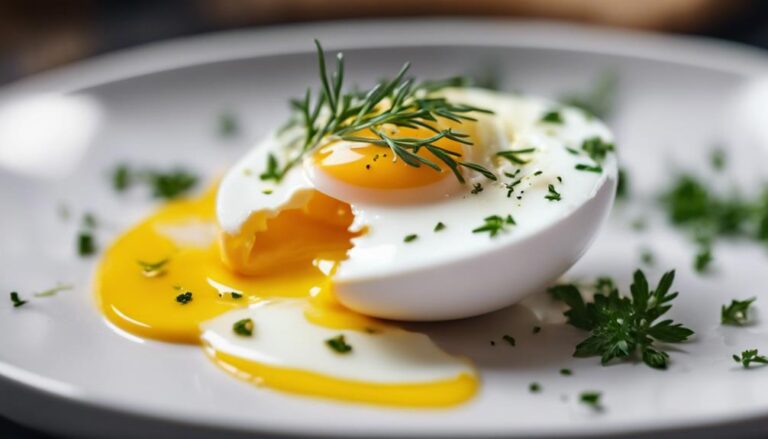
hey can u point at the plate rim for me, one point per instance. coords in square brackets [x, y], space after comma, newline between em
[241, 44]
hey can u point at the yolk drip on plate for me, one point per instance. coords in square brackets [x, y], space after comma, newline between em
[173, 272]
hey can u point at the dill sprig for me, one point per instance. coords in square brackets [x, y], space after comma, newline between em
[400, 102]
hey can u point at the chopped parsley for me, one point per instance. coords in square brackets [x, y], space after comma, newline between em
[513, 155]
[243, 327]
[599, 99]
[86, 243]
[588, 168]
[566, 372]
[647, 257]
[235, 295]
[622, 185]
[439, 226]
[534, 387]
[510, 340]
[163, 184]
[411, 238]
[54, 291]
[748, 357]
[272, 172]
[596, 148]
[621, 326]
[511, 187]
[591, 399]
[495, 224]
[737, 312]
[184, 298]
[476, 189]
[553, 116]
[703, 259]
[553, 194]
[717, 159]
[154, 269]
[228, 125]
[16, 300]
[692, 205]
[339, 344]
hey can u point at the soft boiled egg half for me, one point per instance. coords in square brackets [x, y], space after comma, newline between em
[410, 202]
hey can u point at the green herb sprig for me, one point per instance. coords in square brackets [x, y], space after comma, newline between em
[750, 356]
[495, 224]
[737, 312]
[373, 117]
[623, 326]
[339, 344]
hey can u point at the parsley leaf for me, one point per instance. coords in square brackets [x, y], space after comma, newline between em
[184, 298]
[534, 387]
[339, 344]
[736, 313]
[596, 148]
[163, 184]
[750, 356]
[510, 340]
[552, 117]
[243, 327]
[439, 226]
[591, 399]
[621, 326]
[411, 238]
[16, 300]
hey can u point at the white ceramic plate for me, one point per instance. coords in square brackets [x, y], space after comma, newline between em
[62, 369]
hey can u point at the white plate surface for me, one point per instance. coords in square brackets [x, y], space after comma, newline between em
[64, 370]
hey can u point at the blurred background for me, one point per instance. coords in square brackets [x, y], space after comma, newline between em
[36, 35]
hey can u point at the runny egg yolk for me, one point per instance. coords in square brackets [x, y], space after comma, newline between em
[170, 273]
[372, 166]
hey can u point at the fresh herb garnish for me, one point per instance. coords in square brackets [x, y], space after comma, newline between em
[228, 125]
[597, 100]
[596, 148]
[163, 184]
[647, 257]
[511, 187]
[184, 298]
[622, 326]
[86, 243]
[339, 344]
[737, 313]
[703, 258]
[16, 300]
[552, 117]
[476, 189]
[243, 327]
[513, 155]
[750, 356]
[622, 185]
[717, 159]
[439, 226]
[368, 117]
[553, 194]
[510, 340]
[53, 291]
[411, 237]
[591, 399]
[154, 269]
[235, 295]
[536, 329]
[588, 168]
[495, 224]
[534, 387]
[566, 372]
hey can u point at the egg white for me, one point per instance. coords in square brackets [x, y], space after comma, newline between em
[382, 251]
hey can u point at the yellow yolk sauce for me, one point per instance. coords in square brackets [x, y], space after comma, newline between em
[433, 394]
[183, 233]
[143, 278]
